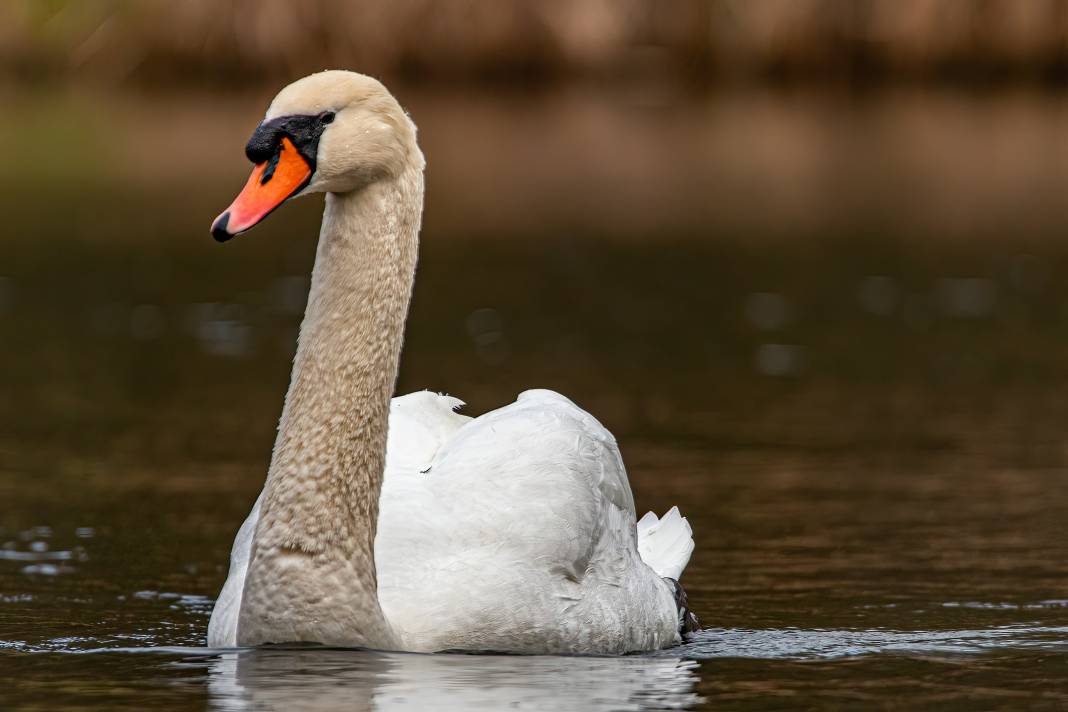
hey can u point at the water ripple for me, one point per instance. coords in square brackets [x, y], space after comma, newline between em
[798, 644]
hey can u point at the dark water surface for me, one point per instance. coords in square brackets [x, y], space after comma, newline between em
[865, 427]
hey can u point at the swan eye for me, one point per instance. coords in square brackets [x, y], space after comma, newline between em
[326, 117]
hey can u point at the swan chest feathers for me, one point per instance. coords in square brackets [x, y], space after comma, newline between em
[512, 531]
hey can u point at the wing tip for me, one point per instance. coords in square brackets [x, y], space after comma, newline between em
[666, 543]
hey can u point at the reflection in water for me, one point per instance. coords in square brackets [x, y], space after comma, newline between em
[331, 679]
[280, 679]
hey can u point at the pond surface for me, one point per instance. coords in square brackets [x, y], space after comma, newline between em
[866, 429]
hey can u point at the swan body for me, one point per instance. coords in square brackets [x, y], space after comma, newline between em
[399, 523]
[512, 531]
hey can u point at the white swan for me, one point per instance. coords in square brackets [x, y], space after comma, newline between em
[514, 531]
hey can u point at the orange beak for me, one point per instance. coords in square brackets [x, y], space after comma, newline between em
[271, 184]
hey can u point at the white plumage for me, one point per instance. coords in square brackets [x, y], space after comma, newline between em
[512, 531]
[665, 544]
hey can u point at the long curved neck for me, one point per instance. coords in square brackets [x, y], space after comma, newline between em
[311, 575]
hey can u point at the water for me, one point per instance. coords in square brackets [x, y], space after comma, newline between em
[865, 428]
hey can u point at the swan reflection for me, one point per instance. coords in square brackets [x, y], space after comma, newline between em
[286, 679]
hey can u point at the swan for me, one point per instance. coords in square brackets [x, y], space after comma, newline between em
[398, 523]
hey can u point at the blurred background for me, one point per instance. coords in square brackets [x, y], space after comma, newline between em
[805, 258]
[762, 199]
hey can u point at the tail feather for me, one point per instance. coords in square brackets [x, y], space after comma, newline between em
[665, 543]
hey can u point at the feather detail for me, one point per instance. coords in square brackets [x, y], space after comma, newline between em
[665, 544]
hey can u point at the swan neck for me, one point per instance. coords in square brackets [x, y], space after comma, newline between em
[312, 573]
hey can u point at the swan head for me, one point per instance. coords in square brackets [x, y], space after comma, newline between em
[334, 131]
